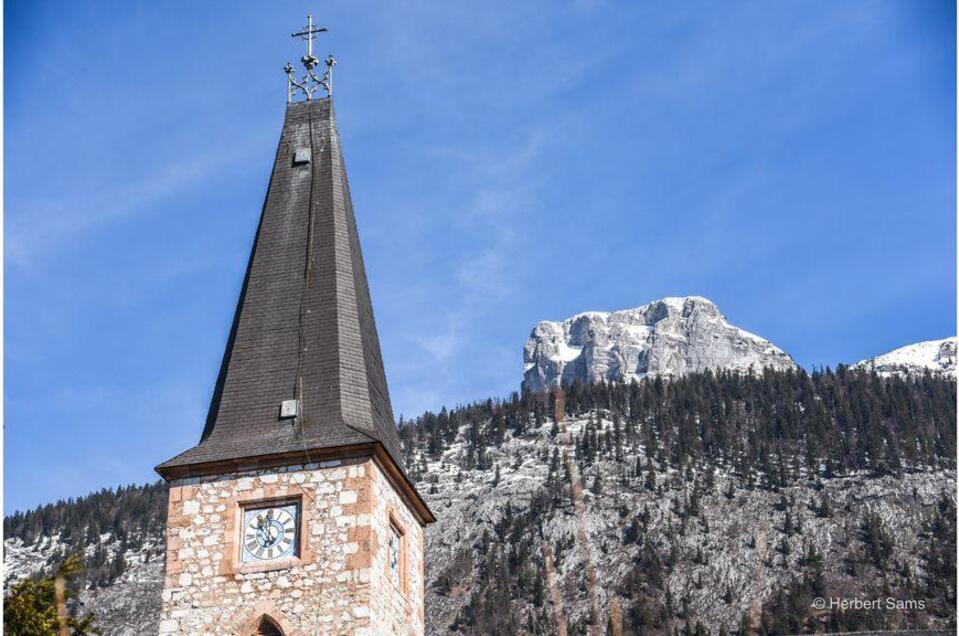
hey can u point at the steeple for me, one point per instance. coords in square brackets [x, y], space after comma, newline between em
[304, 327]
[298, 474]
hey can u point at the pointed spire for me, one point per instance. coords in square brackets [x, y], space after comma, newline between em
[304, 338]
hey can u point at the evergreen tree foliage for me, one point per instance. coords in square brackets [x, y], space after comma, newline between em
[779, 427]
[29, 607]
[124, 519]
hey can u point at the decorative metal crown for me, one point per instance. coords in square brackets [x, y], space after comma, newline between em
[308, 85]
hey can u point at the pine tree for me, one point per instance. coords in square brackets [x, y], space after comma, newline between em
[597, 487]
[877, 542]
[29, 608]
[730, 491]
[824, 509]
[694, 501]
[118, 565]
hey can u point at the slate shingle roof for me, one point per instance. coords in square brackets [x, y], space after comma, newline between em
[304, 322]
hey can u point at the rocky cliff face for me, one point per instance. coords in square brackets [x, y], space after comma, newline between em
[671, 336]
[937, 356]
[720, 555]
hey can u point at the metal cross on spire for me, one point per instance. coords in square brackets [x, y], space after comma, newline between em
[309, 84]
[309, 34]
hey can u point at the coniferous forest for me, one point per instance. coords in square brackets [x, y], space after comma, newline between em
[132, 516]
[780, 425]
[771, 435]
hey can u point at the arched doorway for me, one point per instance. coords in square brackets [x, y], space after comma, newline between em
[268, 627]
[266, 619]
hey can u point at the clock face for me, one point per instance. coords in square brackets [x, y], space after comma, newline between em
[270, 533]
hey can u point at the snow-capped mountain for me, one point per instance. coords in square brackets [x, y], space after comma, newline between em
[938, 356]
[670, 336]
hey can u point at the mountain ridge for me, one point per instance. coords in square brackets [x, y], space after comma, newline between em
[669, 336]
[936, 356]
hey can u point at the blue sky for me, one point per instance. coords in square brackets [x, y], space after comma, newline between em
[510, 162]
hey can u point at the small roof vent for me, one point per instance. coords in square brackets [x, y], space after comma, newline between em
[289, 408]
[302, 156]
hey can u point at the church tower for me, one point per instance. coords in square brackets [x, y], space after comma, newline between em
[293, 514]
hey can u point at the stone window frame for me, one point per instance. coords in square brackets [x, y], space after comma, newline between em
[394, 524]
[293, 495]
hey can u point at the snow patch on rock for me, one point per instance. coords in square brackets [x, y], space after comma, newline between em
[667, 337]
[937, 356]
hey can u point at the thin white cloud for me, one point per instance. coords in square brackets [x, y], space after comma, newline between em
[37, 226]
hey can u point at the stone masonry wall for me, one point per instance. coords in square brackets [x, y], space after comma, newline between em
[340, 584]
[397, 606]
